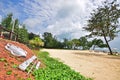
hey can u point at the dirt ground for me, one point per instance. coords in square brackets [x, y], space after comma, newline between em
[96, 65]
[9, 63]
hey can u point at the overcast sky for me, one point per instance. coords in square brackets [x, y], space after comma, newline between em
[63, 18]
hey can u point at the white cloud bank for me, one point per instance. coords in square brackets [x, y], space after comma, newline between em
[63, 18]
[59, 16]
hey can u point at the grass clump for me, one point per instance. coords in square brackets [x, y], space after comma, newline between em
[55, 70]
[3, 60]
[14, 66]
[9, 72]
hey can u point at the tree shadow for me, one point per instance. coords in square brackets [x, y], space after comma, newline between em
[98, 55]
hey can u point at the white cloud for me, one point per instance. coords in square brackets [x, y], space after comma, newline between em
[32, 22]
[66, 28]
[56, 16]
[70, 17]
[59, 16]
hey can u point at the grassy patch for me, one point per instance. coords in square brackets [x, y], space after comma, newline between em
[14, 66]
[9, 72]
[3, 60]
[55, 70]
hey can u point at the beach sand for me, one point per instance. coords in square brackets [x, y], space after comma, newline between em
[96, 65]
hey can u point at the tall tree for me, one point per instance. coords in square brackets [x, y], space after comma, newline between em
[65, 45]
[69, 44]
[47, 39]
[51, 41]
[84, 43]
[23, 35]
[75, 43]
[11, 24]
[98, 43]
[16, 26]
[32, 35]
[104, 22]
[7, 21]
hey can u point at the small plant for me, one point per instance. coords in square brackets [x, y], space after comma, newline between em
[3, 60]
[15, 66]
[9, 72]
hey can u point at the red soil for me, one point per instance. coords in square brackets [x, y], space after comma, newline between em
[9, 60]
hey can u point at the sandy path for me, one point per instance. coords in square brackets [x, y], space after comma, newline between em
[97, 66]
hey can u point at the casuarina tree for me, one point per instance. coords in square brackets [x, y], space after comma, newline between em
[104, 22]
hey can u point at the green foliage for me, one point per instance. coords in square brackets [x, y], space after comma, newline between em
[7, 21]
[98, 43]
[3, 60]
[84, 43]
[75, 43]
[9, 72]
[32, 36]
[67, 44]
[36, 42]
[50, 41]
[14, 66]
[55, 70]
[104, 21]
[23, 35]
[28, 79]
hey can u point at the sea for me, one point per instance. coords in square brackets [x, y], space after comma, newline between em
[115, 50]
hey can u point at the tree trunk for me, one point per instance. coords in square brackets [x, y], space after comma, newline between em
[107, 44]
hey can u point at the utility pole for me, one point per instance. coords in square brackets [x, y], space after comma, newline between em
[12, 30]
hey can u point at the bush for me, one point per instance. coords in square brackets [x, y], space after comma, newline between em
[36, 43]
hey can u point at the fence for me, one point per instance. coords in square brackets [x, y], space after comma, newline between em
[7, 34]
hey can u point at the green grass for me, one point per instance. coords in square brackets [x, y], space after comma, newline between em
[9, 72]
[55, 70]
[3, 60]
[14, 66]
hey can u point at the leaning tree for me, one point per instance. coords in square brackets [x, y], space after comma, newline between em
[104, 22]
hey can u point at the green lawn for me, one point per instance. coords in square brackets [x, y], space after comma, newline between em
[55, 70]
